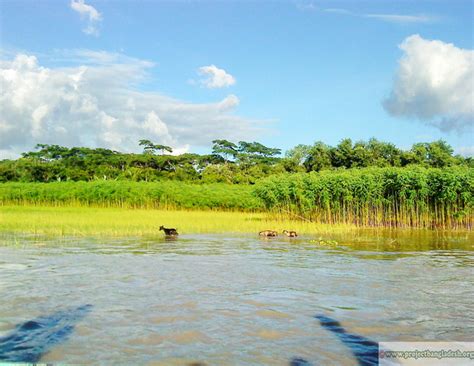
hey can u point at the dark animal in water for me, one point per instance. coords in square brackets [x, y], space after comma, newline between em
[364, 350]
[268, 233]
[30, 340]
[169, 231]
[291, 234]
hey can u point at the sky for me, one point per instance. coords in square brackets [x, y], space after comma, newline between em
[106, 73]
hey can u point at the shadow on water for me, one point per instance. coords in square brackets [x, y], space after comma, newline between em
[364, 350]
[30, 340]
[297, 361]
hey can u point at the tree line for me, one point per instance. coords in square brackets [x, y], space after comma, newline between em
[229, 162]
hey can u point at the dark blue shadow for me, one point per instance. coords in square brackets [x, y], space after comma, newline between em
[364, 350]
[33, 338]
[298, 361]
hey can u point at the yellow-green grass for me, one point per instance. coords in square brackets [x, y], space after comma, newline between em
[86, 221]
[83, 221]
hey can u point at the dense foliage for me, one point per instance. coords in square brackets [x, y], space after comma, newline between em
[416, 196]
[422, 197]
[245, 162]
[365, 183]
[166, 194]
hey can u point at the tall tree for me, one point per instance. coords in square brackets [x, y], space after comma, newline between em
[255, 152]
[440, 154]
[342, 154]
[319, 157]
[225, 148]
[151, 148]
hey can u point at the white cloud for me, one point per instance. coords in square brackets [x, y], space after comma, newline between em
[398, 18]
[8, 154]
[155, 126]
[391, 18]
[217, 78]
[181, 150]
[88, 12]
[97, 103]
[434, 83]
[465, 151]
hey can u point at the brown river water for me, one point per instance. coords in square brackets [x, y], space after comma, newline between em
[229, 299]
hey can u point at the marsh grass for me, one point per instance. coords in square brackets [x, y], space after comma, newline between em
[88, 221]
[59, 226]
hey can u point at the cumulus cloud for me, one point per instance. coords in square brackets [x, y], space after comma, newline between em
[434, 84]
[97, 103]
[216, 78]
[90, 14]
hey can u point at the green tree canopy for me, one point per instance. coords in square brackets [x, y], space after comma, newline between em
[151, 148]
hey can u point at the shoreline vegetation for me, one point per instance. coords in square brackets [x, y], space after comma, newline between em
[16, 221]
[77, 220]
[365, 184]
[389, 197]
[373, 197]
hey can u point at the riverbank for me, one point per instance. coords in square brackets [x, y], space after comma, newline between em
[367, 197]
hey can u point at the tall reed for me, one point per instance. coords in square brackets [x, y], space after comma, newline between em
[394, 197]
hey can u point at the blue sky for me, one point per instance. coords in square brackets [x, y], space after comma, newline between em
[291, 72]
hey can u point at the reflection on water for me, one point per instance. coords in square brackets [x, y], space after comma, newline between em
[231, 300]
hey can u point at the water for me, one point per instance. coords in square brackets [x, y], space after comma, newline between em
[227, 300]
